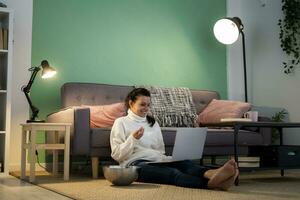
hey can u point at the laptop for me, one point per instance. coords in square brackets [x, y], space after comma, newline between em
[189, 144]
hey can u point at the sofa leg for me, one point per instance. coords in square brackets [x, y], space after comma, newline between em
[95, 164]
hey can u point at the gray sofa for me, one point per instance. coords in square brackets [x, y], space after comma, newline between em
[94, 142]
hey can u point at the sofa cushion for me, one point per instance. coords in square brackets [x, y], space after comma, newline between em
[218, 109]
[77, 94]
[100, 137]
[102, 116]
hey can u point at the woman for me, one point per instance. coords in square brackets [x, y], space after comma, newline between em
[137, 139]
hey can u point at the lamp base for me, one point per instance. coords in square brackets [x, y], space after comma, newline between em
[35, 121]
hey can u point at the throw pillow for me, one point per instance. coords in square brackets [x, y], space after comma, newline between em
[218, 109]
[102, 116]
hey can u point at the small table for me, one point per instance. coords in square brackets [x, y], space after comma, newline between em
[29, 132]
[237, 125]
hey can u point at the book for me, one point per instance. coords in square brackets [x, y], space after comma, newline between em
[248, 161]
[235, 120]
[5, 38]
[1, 38]
[247, 158]
[248, 164]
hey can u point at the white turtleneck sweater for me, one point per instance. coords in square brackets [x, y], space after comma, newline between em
[126, 149]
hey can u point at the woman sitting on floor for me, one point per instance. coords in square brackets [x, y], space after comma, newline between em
[137, 139]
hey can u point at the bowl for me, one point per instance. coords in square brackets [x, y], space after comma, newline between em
[120, 175]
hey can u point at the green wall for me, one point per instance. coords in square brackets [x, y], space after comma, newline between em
[158, 42]
[128, 42]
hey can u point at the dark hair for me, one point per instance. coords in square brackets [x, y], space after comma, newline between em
[133, 96]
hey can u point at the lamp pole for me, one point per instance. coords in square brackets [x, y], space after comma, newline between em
[26, 90]
[245, 68]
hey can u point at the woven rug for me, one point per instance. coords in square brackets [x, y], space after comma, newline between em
[253, 185]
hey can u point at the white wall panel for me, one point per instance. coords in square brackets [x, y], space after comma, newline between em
[20, 75]
[267, 84]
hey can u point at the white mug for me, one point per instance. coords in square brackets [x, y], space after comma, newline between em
[253, 115]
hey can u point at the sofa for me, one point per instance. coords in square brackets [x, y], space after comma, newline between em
[95, 143]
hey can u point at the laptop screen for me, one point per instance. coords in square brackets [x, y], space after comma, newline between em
[189, 143]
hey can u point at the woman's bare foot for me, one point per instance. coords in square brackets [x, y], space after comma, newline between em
[224, 173]
[232, 162]
[210, 173]
[225, 185]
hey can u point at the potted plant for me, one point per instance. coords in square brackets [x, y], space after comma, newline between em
[277, 117]
[290, 33]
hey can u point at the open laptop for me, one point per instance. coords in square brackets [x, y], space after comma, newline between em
[189, 144]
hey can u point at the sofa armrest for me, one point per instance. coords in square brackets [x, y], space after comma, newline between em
[80, 127]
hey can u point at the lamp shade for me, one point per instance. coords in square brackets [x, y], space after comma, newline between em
[48, 71]
[227, 30]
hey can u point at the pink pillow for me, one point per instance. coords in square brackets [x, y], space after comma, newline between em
[218, 109]
[105, 115]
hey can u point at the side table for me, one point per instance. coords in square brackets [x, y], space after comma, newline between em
[29, 132]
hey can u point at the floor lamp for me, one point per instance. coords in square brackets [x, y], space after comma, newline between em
[47, 72]
[227, 31]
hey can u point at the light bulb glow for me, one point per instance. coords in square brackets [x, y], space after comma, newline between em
[48, 74]
[226, 31]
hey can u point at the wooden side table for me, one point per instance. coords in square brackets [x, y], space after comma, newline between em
[29, 132]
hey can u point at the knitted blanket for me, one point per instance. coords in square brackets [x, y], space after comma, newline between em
[172, 107]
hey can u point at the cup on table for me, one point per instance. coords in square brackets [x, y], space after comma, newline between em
[253, 115]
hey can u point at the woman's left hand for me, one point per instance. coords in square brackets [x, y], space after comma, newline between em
[139, 133]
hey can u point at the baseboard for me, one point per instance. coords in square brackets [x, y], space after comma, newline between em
[75, 165]
[17, 167]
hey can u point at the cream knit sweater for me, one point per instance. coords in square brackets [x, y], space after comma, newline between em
[126, 149]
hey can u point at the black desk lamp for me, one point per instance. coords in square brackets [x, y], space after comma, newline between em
[227, 31]
[47, 72]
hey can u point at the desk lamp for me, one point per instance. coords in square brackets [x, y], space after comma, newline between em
[47, 72]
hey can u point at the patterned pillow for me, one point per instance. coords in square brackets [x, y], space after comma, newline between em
[105, 115]
[218, 109]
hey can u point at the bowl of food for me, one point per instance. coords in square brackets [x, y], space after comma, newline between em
[120, 175]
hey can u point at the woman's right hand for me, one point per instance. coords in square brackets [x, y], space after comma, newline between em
[138, 133]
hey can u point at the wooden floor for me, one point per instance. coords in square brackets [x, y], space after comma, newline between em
[12, 188]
